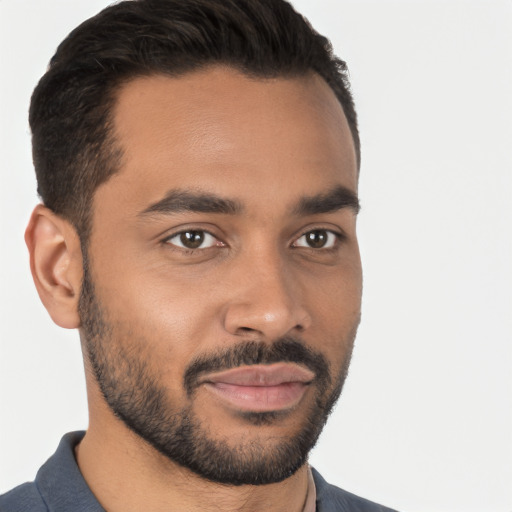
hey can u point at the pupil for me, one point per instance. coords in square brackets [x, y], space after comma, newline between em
[192, 239]
[316, 239]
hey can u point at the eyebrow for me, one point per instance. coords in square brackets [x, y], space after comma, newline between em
[329, 202]
[176, 201]
[179, 200]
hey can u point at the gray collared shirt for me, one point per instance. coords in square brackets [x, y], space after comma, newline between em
[60, 487]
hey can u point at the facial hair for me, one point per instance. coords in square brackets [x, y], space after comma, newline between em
[135, 395]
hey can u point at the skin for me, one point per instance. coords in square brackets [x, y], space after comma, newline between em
[266, 144]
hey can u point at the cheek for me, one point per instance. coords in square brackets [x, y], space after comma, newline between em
[336, 295]
[336, 302]
[156, 319]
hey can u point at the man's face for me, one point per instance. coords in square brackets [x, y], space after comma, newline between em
[223, 286]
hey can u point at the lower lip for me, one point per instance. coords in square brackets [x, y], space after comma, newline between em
[259, 398]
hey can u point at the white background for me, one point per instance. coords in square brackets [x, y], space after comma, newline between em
[425, 421]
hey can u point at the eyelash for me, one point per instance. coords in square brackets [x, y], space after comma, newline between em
[189, 250]
[339, 237]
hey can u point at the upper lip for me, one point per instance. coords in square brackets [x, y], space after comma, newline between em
[261, 375]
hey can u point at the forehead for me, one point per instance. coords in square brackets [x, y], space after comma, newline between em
[218, 129]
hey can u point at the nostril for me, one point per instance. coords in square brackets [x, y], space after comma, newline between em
[246, 329]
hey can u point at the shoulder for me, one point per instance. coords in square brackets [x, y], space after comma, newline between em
[330, 498]
[58, 485]
[24, 498]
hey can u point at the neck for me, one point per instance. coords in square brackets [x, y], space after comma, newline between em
[127, 474]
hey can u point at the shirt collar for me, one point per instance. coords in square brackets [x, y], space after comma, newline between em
[63, 487]
[60, 482]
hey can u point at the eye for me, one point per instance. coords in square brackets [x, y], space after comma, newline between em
[317, 239]
[193, 239]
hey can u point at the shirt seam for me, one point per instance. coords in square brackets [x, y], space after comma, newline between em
[42, 497]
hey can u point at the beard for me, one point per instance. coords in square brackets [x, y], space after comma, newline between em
[136, 396]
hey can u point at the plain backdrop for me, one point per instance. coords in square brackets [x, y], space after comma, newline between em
[425, 420]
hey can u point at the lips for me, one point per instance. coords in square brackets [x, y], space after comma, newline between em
[260, 388]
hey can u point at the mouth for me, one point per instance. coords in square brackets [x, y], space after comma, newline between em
[260, 388]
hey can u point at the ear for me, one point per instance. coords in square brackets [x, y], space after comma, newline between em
[56, 265]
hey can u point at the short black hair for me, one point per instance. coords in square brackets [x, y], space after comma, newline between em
[70, 114]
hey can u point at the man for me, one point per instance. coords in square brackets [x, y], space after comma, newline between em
[198, 164]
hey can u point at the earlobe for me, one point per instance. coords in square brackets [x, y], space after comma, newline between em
[56, 265]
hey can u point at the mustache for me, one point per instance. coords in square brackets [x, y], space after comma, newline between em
[286, 349]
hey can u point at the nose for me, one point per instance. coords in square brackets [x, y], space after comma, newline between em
[266, 301]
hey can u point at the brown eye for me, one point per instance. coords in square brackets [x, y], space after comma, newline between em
[193, 239]
[317, 239]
